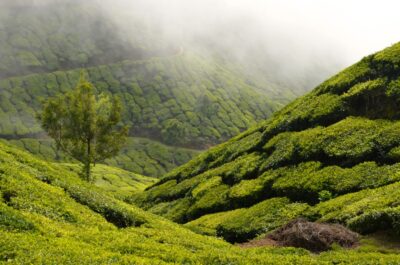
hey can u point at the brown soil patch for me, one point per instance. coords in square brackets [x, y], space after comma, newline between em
[315, 237]
[259, 243]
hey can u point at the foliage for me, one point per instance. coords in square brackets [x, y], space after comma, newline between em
[259, 219]
[174, 131]
[162, 90]
[83, 125]
[324, 195]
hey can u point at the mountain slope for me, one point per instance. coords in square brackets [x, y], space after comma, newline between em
[332, 155]
[181, 100]
[175, 92]
[48, 215]
[171, 94]
[175, 96]
[59, 35]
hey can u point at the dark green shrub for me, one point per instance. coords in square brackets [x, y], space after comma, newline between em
[12, 220]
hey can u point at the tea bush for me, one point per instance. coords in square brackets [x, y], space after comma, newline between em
[335, 150]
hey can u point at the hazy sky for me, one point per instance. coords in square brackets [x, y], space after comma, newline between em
[298, 39]
[357, 27]
[350, 28]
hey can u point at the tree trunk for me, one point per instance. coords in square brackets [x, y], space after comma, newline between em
[88, 161]
[87, 170]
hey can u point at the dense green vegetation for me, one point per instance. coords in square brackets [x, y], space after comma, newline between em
[46, 38]
[139, 155]
[48, 215]
[164, 99]
[332, 155]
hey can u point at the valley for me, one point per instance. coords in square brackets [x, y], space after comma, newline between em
[226, 153]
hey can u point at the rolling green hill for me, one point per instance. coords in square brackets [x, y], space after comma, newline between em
[48, 215]
[332, 155]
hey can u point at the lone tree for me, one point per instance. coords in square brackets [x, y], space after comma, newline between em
[84, 125]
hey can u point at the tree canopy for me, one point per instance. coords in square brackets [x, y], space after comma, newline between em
[84, 125]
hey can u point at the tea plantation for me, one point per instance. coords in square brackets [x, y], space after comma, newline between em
[332, 155]
[48, 215]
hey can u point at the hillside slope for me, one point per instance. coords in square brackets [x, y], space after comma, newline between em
[45, 37]
[180, 100]
[139, 155]
[116, 181]
[175, 96]
[332, 155]
[48, 215]
[171, 94]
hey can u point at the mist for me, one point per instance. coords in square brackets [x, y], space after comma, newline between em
[297, 43]
[293, 43]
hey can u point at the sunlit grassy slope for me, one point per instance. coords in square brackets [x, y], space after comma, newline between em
[332, 155]
[116, 181]
[139, 155]
[49, 216]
